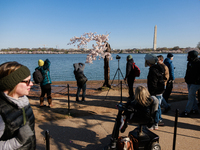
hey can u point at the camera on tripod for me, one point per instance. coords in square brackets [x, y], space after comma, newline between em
[118, 57]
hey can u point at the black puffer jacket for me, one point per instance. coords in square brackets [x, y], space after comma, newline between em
[155, 80]
[129, 69]
[13, 118]
[137, 113]
[192, 75]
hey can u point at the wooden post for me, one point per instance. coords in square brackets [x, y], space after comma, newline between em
[47, 137]
[68, 100]
[175, 128]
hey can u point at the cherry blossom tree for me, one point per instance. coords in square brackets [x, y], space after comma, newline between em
[97, 50]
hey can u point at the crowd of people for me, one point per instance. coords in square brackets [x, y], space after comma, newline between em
[160, 81]
[16, 116]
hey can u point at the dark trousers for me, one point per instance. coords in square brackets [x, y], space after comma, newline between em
[46, 89]
[79, 90]
[198, 95]
[168, 90]
[130, 87]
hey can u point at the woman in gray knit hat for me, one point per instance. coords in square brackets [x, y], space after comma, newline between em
[17, 120]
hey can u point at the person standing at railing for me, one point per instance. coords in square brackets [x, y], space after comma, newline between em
[81, 80]
[44, 67]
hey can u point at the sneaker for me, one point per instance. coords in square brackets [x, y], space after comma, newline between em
[151, 128]
[161, 123]
[156, 126]
[184, 114]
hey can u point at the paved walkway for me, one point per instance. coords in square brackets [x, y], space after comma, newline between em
[93, 132]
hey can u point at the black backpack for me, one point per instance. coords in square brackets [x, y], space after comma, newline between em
[160, 77]
[37, 76]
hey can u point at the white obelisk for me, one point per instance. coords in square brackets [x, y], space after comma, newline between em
[155, 38]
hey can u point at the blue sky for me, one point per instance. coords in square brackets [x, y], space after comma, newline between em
[51, 23]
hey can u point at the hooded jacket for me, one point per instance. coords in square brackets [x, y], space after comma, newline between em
[129, 69]
[155, 80]
[169, 64]
[79, 75]
[192, 75]
[45, 72]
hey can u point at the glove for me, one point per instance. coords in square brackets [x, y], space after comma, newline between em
[24, 133]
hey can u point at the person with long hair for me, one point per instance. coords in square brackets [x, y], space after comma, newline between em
[17, 120]
[146, 106]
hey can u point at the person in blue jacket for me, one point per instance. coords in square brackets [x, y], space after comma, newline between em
[170, 82]
[46, 83]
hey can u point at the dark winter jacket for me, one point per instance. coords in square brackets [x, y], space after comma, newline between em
[79, 75]
[169, 64]
[45, 72]
[129, 69]
[155, 80]
[140, 114]
[192, 75]
[13, 119]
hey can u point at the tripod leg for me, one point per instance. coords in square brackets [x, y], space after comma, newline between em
[111, 84]
[121, 73]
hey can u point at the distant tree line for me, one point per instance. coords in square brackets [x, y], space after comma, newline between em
[175, 49]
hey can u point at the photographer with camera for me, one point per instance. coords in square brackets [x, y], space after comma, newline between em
[130, 76]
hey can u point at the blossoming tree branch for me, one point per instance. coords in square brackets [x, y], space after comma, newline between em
[97, 50]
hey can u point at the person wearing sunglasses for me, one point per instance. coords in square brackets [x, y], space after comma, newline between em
[17, 120]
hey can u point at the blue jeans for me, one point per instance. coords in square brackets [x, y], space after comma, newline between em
[83, 90]
[164, 103]
[158, 113]
[192, 102]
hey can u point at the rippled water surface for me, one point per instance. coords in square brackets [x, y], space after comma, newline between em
[61, 68]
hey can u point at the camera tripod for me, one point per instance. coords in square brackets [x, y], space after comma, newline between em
[117, 71]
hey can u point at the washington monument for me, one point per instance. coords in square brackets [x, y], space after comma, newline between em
[155, 38]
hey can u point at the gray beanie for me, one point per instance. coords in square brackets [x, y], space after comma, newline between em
[151, 59]
[10, 81]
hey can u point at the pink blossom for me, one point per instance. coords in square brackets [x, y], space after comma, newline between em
[98, 50]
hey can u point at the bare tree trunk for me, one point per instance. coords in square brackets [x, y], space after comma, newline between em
[107, 68]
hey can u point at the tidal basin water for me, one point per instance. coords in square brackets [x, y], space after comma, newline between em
[61, 68]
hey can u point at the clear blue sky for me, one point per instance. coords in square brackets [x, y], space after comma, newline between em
[35, 23]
